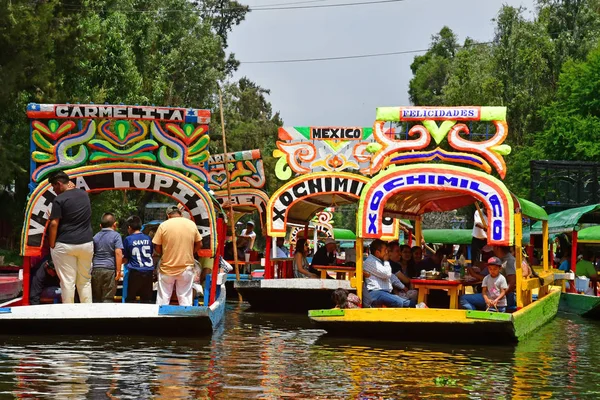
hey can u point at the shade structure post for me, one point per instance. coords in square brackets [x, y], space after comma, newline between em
[573, 250]
[519, 259]
[26, 280]
[359, 267]
[548, 255]
[418, 231]
[269, 274]
[221, 234]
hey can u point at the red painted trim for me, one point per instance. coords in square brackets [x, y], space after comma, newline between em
[269, 268]
[221, 234]
[26, 274]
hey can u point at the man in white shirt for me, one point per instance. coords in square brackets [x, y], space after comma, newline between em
[246, 239]
[381, 281]
[479, 234]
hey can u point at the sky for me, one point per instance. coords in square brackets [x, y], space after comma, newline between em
[347, 92]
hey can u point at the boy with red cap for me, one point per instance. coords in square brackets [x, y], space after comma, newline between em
[494, 287]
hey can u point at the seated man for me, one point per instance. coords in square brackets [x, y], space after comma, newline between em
[585, 268]
[324, 256]
[380, 281]
[282, 252]
[44, 283]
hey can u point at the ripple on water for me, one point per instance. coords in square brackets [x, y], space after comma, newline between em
[282, 356]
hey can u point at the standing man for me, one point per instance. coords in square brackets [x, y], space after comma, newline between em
[70, 237]
[177, 239]
[107, 261]
[245, 242]
[479, 234]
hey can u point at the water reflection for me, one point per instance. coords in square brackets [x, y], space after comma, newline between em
[282, 356]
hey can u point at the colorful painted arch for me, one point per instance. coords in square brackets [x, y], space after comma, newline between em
[244, 201]
[421, 188]
[123, 176]
[300, 199]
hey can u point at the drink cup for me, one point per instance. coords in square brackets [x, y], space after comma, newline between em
[451, 276]
[247, 256]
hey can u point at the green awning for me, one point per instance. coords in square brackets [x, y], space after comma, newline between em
[407, 223]
[340, 234]
[448, 236]
[532, 210]
[568, 220]
[589, 235]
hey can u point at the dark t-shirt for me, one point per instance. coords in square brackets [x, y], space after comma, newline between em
[411, 270]
[321, 257]
[138, 252]
[74, 212]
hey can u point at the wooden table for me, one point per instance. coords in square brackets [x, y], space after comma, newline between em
[425, 285]
[349, 271]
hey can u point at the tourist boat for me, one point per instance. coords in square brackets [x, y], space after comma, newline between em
[116, 152]
[11, 283]
[411, 186]
[576, 223]
[324, 168]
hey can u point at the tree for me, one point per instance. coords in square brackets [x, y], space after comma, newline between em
[431, 70]
[572, 122]
[165, 52]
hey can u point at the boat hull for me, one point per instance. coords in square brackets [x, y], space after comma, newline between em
[438, 325]
[580, 304]
[113, 318]
[10, 287]
[290, 295]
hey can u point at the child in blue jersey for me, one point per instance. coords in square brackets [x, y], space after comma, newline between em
[137, 253]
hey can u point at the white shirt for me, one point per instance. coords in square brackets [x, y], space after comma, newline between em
[477, 231]
[282, 253]
[252, 236]
[381, 275]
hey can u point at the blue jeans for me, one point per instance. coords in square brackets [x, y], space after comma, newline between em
[383, 298]
[476, 302]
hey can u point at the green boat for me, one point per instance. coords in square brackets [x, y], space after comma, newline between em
[573, 222]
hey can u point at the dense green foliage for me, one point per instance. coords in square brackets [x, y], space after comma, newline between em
[163, 52]
[536, 67]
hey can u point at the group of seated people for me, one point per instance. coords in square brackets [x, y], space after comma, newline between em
[389, 267]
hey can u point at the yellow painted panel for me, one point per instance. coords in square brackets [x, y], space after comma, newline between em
[401, 315]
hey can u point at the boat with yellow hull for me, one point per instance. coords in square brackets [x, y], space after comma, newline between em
[430, 324]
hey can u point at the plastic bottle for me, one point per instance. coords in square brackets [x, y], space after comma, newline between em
[444, 265]
[461, 263]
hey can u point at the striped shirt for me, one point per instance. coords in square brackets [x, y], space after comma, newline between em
[381, 275]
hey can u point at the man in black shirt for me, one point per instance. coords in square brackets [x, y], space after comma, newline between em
[71, 238]
[324, 256]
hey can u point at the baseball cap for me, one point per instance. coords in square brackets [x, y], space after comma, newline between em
[329, 241]
[250, 222]
[494, 261]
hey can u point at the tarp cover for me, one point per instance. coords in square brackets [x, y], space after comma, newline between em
[448, 236]
[340, 234]
[567, 220]
[532, 210]
[589, 235]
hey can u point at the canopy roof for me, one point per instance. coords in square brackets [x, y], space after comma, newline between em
[448, 236]
[531, 210]
[589, 235]
[340, 234]
[306, 208]
[569, 220]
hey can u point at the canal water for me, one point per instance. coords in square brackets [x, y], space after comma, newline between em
[256, 355]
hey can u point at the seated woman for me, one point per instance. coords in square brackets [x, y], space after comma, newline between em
[300, 264]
